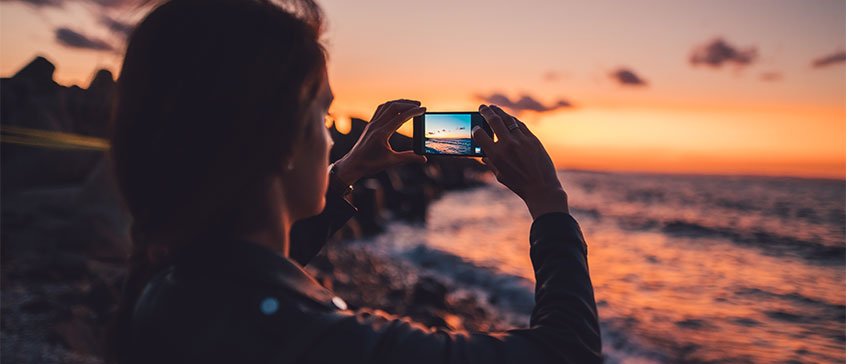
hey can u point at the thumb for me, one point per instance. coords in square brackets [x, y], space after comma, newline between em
[410, 157]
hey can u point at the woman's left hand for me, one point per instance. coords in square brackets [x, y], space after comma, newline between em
[372, 153]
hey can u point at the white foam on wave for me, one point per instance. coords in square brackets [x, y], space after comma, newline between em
[507, 296]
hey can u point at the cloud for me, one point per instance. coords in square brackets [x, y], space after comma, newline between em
[835, 58]
[626, 77]
[116, 26]
[771, 76]
[524, 103]
[72, 39]
[38, 3]
[718, 52]
[551, 76]
[101, 4]
[112, 3]
[100, 10]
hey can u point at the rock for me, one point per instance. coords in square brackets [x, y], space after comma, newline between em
[92, 113]
[39, 71]
[103, 82]
[37, 305]
[102, 297]
[429, 292]
[77, 335]
[68, 266]
[367, 198]
[31, 99]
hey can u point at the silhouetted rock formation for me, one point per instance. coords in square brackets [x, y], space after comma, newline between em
[31, 99]
[39, 72]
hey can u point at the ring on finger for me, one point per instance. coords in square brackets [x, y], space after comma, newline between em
[513, 126]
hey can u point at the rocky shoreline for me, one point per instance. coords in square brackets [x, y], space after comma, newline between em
[64, 231]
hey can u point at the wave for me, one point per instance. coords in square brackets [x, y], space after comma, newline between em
[510, 292]
[512, 298]
[769, 243]
[813, 307]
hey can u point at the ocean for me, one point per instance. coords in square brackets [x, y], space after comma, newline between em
[449, 146]
[686, 269]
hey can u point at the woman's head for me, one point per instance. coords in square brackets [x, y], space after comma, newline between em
[215, 99]
[220, 105]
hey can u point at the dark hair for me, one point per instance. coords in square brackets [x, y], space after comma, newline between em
[212, 97]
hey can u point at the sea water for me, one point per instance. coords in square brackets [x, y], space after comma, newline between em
[449, 146]
[685, 268]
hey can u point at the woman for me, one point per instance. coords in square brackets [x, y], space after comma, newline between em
[219, 146]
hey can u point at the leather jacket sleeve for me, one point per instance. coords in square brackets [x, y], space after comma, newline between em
[563, 328]
[309, 235]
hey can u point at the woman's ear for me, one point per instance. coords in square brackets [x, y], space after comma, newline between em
[287, 163]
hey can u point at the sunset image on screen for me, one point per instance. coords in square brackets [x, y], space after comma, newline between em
[447, 133]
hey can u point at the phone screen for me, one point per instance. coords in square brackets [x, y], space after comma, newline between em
[448, 133]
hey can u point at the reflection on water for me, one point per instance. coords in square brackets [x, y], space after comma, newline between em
[685, 268]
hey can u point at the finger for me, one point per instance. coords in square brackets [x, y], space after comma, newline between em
[507, 119]
[397, 122]
[409, 156]
[395, 108]
[495, 121]
[525, 129]
[407, 101]
[381, 109]
[483, 139]
[490, 165]
[378, 112]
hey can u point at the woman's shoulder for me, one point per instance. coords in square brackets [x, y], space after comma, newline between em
[248, 305]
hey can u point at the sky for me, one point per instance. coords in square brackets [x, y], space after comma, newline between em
[447, 126]
[716, 87]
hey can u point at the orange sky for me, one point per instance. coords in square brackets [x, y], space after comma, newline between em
[774, 114]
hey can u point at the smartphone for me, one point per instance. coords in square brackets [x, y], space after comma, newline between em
[448, 133]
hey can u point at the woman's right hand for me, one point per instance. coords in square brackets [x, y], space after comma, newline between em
[520, 162]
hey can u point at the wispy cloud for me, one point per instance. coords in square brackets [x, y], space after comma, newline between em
[718, 52]
[100, 9]
[831, 59]
[38, 3]
[116, 26]
[552, 76]
[103, 4]
[524, 103]
[626, 76]
[114, 4]
[771, 76]
[73, 39]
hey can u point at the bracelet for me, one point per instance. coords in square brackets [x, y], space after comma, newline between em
[336, 184]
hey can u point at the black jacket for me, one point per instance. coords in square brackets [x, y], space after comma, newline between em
[237, 302]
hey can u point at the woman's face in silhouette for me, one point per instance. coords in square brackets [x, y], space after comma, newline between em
[307, 180]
